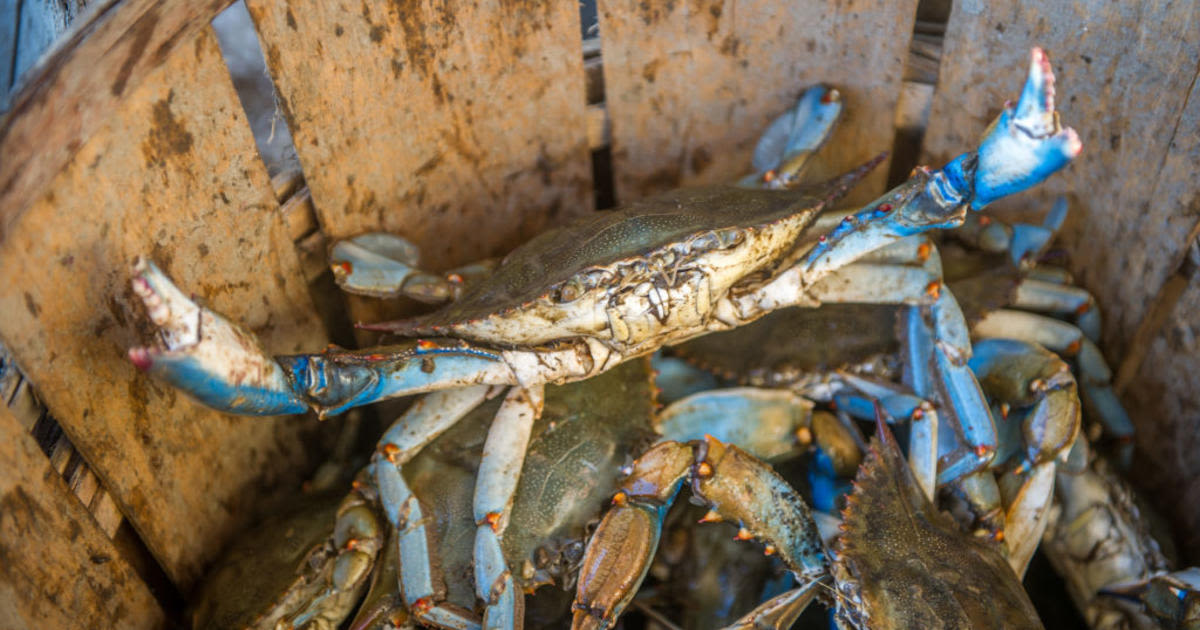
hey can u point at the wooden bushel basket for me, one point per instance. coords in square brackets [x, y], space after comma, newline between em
[467, 127]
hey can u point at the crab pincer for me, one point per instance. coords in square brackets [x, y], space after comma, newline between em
[737, 486]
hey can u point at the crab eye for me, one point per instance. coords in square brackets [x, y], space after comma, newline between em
[705, 242]
[730, 237]
[570, 292]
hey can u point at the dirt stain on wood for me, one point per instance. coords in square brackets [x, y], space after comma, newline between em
[168, 137]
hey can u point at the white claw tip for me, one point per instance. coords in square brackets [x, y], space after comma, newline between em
[141, 358]
[1074, 144]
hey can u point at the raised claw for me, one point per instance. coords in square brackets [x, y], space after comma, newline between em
[1026, 143]
[206, 355]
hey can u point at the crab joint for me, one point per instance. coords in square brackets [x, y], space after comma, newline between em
[923, 251]
[804, 436]
[390, 451]
[1073, 348]
[704, 470]
[983, 450]
[934, 289]
[422, 605]
[620, 499]
[492, 520]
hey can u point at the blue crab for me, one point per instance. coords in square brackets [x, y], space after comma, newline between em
[579, 300]
[1104, 543]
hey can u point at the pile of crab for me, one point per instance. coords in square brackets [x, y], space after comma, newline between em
[779, 330]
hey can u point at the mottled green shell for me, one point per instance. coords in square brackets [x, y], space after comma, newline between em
[684, 222]
[912, 566]
[796, 341]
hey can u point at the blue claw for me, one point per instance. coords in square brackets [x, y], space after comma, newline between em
[1026, 144]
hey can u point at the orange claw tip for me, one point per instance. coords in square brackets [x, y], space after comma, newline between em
[743, 534]
[620, 499]
[141, 358]
[710, 516]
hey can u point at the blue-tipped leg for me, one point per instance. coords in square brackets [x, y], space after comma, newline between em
[783, 151]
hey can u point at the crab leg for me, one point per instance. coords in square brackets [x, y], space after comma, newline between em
[783, 151]
[385, 265]
[222, 366]
[872, 396]
[780, 611]
[420, 424]
[1095, 377]
[499, 471]
[1023, 242]
[770, 424]
[357, 536]
[738, 487]
[1022, 375]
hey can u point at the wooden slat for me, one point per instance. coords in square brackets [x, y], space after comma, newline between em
[71, 92]
[690, 86]
[173, 174]
[1127, 82]
[1165, 402]
[459, 125]
[57, 569]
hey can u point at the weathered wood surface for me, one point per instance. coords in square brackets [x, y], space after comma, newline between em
[173, 174]
[57, 569]
[690, 85]
[459, 125]
[70, 93]
[1165, 403]
[1127, 82]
